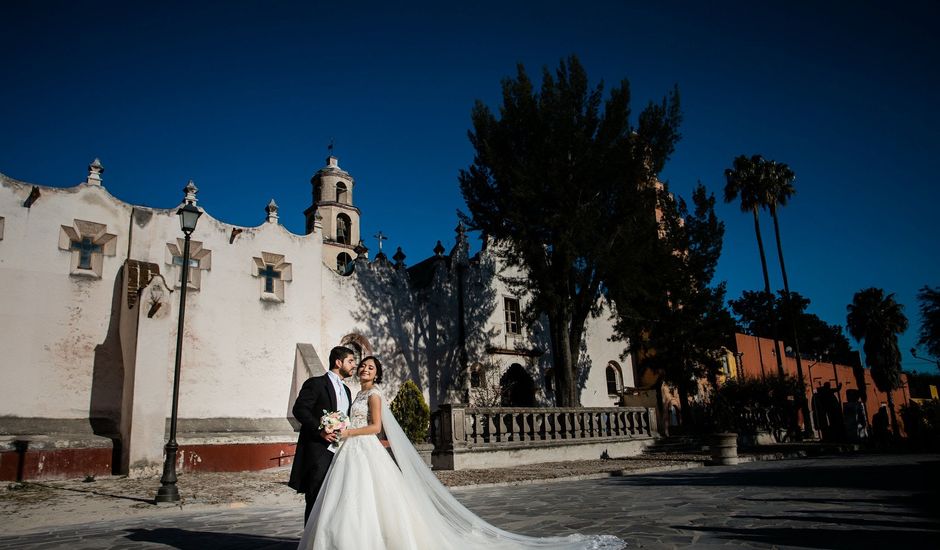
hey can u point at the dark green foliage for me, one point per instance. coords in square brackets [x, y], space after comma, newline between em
[877, 319]
[412, 412]
[818, 339]
[929, 299]
[682, 322]
[562, 181]
[922, 424]
[752, 406]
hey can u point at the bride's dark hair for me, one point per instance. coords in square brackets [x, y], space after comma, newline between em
[378, 367]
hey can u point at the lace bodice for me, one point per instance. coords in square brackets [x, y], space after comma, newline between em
[359, 410]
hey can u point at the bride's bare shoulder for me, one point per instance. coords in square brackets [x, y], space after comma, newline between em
[378, 392]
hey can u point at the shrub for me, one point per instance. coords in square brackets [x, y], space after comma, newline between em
[412, 412]
[922, 424]
[749, 406]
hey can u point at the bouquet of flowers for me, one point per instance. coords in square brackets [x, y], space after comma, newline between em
[334, 421]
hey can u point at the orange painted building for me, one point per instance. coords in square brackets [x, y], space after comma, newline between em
[756, 358]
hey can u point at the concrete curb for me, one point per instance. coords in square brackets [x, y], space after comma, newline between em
[790, 455]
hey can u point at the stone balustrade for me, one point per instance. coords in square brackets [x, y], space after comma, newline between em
[467, 437]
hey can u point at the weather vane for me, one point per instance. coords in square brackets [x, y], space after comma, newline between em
[330, 147]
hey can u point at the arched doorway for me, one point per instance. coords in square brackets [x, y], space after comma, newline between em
[518, 389]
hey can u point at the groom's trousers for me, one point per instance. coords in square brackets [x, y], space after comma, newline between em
[315, 482]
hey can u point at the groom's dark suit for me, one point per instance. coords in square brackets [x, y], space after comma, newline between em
[312, 458]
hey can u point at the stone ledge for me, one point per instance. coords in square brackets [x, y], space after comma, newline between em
[55, 441]
[503, 456]
[229, 438]
[542, 443]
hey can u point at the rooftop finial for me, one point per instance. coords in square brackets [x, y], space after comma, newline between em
[361, 250]
[271, 209]
[399, 258]
[95, 169]
[331, 160]
[190, 191]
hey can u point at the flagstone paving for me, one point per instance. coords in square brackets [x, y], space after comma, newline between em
[861, 501]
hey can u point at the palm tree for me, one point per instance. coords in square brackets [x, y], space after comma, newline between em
[778, 179]
[747, 179]
[929, 299]
[877, 319]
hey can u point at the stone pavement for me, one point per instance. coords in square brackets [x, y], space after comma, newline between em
[861, 501]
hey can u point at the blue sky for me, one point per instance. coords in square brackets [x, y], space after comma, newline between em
[244, 97]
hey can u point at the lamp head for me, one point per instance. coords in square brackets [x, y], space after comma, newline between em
[189, 215]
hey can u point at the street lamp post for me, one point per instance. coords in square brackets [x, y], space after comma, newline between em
[189, 215]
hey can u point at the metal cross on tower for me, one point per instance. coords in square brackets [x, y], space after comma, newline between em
[380, 237]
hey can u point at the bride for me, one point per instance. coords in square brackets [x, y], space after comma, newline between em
[367, 502]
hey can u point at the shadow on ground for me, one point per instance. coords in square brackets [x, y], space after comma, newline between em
[823, 538]
[925, 474]
[208, 540]
[883, 517]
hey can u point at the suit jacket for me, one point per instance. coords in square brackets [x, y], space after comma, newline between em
[312, 456]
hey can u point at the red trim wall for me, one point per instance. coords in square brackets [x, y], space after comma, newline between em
[758, 360]
[38, 465]
[55, 463]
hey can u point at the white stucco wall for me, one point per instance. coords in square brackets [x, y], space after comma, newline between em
[53, 325]
[600, 351]
[62, 355]
[238, 349]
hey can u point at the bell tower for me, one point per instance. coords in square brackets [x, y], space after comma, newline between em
[333, 205]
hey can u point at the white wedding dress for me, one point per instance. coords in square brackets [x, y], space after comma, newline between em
[367, 502]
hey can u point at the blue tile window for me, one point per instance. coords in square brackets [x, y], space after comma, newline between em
[86, 247]
[270, 275]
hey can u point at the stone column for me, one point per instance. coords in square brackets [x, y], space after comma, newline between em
[147, 326]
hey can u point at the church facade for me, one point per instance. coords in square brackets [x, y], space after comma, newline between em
[90, 291]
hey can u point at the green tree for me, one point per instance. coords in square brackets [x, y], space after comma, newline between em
[819, 339]
[929, 299]
[412, 412]
[747, 179]
[779, 182]
[562, 181]
[685, 321]
[877, 319]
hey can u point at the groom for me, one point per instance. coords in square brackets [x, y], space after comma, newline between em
[321, 393]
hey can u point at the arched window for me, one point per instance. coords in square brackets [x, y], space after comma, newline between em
[358, 344]
[517, 387]
[344, 264]
[342, 194]
[343, 229]
[614, 378]
[476, 375]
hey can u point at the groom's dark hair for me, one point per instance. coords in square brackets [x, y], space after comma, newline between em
[339, 353]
